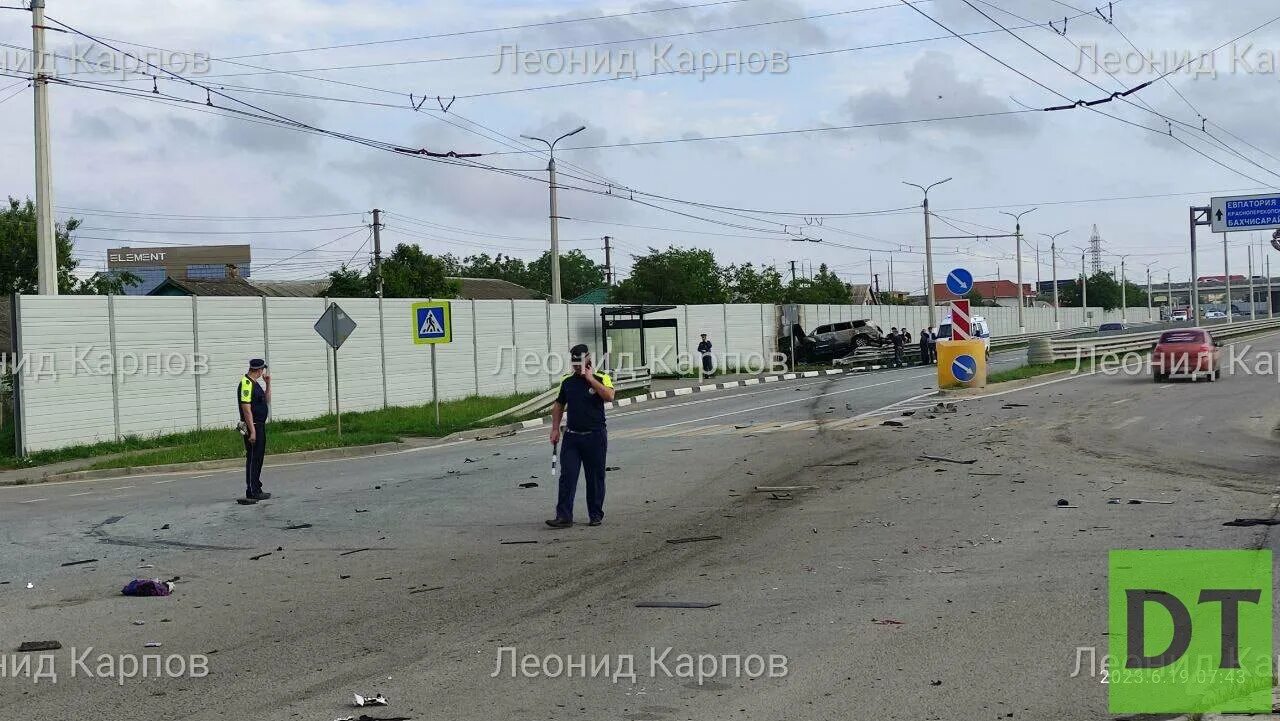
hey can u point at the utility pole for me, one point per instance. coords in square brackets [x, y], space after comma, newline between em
[1022, 324]
[1271, 310]
[1168, 290]
[1150, 311]
[1253, 299]
[1124, 286]
[608, 260]
[46, 249]
[1084, 288]
[555, 217]
[1053, 257]
[377, 252]
[928, 253]
[1226, 270]
[793, 271]
[890, 274]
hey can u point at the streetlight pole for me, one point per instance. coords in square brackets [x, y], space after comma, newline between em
[46, 230]
[1124, 299]
[1151, 316]
[928, 252]
[1053, 258]
[555, 218]
[1226, 275]
[1022, 324]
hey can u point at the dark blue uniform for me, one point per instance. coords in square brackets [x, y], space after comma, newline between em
[583, 445]
[249, 391]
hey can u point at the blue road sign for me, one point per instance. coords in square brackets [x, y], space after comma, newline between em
[431, 322]
[964, 368]
[960, 282]
[1245, 212]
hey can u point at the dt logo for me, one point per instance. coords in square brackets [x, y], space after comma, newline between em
[1190, 632]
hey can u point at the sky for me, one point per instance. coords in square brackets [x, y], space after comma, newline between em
[277, 124]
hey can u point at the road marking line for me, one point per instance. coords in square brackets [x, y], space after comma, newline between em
[34, 500]
[82, 493]
[171, 480]
[1129, 422]
[124, 488]
[1121, 401]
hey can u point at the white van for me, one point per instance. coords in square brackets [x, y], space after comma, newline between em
[978, 326]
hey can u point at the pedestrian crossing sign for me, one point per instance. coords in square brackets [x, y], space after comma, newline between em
[432, 322]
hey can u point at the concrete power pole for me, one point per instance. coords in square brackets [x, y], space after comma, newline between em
[377, 252]
[793, 271]
[1053, 262]
[1017, 239]
[555, 216]
[608, 260]
[1084, 290]
[1253, 299]
[1124, 300]
[1226, 269]
[46, 248]
[1150, 310]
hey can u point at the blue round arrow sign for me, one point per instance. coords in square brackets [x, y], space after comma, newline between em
[964, 368]
[960, 282]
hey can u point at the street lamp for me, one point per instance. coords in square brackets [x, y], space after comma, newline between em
[928, 250]
[1017, 217]
[1124, 283]
[1084, 285]
[1053, 257]
[1150, 308]
[555, 226]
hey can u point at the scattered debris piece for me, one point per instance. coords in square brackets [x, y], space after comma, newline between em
[147, 565]
[515, 543]
[1063, 502]
[362, 510]
[165, 527]
[945, 408]
[1246, 522]
[780, 496]
[887, 622]
[978, 473]
[1007, 406]
[530, 484]
[693, 539]
[30, 585]
[383, 578]
[424, 590]
[893, 423]
[260, 555]
[29, 646]
[246, 501]
[79, 563]
[146, 587]
[139, 623]
[297, 527]
[1140, 501]
[944, 459]
[365, 717]
[771, 489]
[680, 450]
[677, 604]
[343, 578]
[935, 683]
[152, 644]
[378, 700]
[834, 465]
[348, 553]
[1114, 501]
[470, 460]
[908, 414]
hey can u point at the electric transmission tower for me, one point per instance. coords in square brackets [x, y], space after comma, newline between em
[1095, 251]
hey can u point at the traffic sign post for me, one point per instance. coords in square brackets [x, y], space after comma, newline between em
[433, 325]
[335, 326]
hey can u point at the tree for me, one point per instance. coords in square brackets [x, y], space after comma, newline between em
[406, 273]
[501, 267]
[823, 288]
[578, 274]
[748, 285]
[675, 276]
[975, 298]
[18, 273]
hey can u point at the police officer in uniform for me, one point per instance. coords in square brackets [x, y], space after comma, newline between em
[583, 394]
[254, 397]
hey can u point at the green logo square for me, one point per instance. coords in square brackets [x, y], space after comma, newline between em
[1190, 632]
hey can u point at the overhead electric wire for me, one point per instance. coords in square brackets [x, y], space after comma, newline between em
[311, 250]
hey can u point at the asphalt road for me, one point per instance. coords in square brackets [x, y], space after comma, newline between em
[897, 589]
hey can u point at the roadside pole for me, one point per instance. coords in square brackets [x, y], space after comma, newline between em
[432, 325]
[1253, 299]
[1150, 313]
[1271, 310]
[1053, 259]
[435, 385]
[1226, 270]
[1124, 299]
[1084, 290]
[46, 230]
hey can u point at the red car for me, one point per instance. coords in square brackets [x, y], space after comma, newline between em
[1187, 352]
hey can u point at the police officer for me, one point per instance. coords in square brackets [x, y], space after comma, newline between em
[708, 363]
[254, 397]
[583, 394]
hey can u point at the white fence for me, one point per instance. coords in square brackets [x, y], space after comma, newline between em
[97, 368]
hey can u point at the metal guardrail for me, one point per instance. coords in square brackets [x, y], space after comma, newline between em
[1050, 350]
[911, 353]
[622, 381]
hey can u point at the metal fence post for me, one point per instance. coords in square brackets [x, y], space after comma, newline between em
[475, 348]
[515, 348]
[195, 350]
[115, 360]
[382, 352]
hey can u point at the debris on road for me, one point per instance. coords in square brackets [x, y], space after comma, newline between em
[945, 408]
[365, 717]
[30, 585]
[1007, 406]
[151, 644]
[979, 473]
[145, 587]
[139, 623]
[693, 539]
[378, 700]
[613, 468]
[677, 604]
[887, 622]
[1246, 522]
[260, 555]
[29, 646]
[530, 484]
[680, 450]
[297, 527]
[944, 459]
[893, 424]
[348, 553]
[1140, 501]
[470, 460]
[515, 543]
[165, 527]
[362, 510]
[780, 489]
[780, 496]
[833, 465]
[424, 590]
[79, 563]
[1063, 502]
[1114, 501]
[908, 414]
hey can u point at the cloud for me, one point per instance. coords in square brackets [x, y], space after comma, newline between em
[935, 89]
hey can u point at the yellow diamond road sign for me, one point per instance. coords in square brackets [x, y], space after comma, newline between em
[432, 322]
